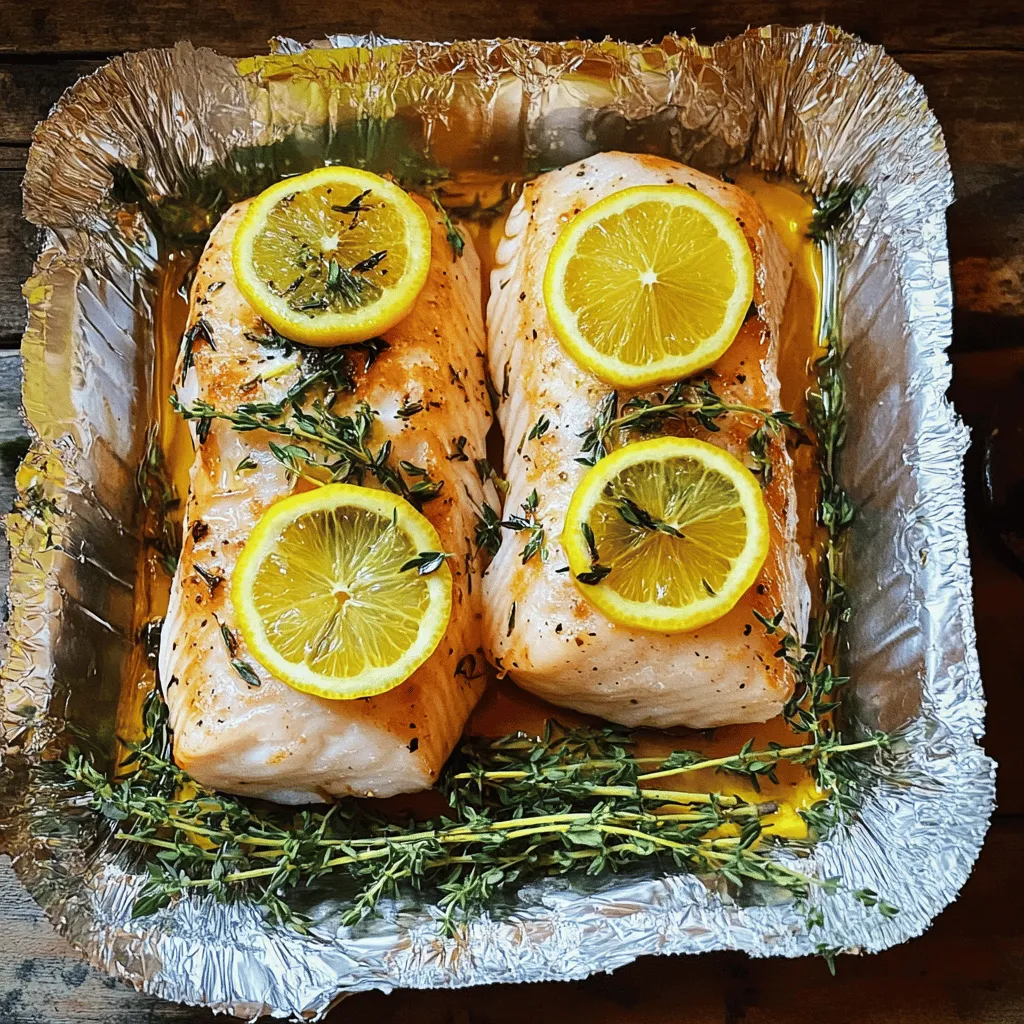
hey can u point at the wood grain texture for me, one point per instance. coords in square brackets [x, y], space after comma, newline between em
[100, 26]
[18, 246]
[29, 90]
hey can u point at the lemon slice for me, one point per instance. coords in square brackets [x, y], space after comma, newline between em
[649, 284]
[332, 257]
[321, 597]
[677, 532]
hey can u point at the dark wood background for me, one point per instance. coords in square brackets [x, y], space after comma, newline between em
[970, 57]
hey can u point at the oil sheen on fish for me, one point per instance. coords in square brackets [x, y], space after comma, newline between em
[556, 644]
[273, 741]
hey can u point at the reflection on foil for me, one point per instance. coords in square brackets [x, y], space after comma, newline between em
[181, 132]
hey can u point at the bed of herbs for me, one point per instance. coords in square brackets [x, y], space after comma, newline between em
[573, 801]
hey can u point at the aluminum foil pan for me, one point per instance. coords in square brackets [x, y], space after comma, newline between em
[812, 102]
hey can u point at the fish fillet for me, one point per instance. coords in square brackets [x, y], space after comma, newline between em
[273, 741]
[559, 647]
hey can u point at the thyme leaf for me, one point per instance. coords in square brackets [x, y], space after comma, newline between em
[426, 562]
[685, 398]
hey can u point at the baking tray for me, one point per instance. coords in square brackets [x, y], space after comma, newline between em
[156, 142]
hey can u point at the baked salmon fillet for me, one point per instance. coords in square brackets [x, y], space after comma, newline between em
[557, 645]
[271, 740]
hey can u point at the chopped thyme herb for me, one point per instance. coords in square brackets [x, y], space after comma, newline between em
[230, 640]
[211, 579]
[539, 429]
[511, 620]
[247, 462]
[409, 409]
[374, 260]
[199, 331]
[426, 562]
[633, 514]
[246, 671]
[459, 452]
[354, 206]
[596, 572]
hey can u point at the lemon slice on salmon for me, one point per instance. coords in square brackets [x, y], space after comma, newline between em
[649, 284]
[332, 257]
[325, 595]
[666, 534]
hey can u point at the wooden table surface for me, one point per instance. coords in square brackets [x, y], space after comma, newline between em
[970, 57]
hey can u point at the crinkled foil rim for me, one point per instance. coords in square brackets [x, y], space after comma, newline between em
[812, 102]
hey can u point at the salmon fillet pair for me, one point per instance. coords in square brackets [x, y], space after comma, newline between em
[284, 745]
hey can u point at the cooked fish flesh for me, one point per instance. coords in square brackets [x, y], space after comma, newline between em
[273, 741]
[559, 647]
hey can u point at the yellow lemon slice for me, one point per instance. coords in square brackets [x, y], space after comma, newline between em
[649, 284]
[332, 257]
[325, 600]
[666, 534]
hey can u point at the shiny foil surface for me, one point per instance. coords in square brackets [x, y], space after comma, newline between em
[810, 102]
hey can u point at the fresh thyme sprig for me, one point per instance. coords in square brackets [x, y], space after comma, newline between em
[686, 397]
[834, 209]
[489, 526]
[574, 800]
[159, 499]
[639, 517]
[529, 522]
[344, 439]
[811, 709]
[455, 239]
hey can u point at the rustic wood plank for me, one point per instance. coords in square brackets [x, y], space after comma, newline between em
[986, 391]
[976, 97]
[29, 90]
[968, 967]
[98, 27]
[18, 245]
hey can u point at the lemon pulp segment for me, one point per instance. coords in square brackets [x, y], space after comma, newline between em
[648, 284]
[321, 597]
[680, 524]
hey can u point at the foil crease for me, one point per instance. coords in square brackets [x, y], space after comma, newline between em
[812, 102]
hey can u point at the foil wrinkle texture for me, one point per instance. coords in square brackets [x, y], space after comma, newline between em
[811, 102]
